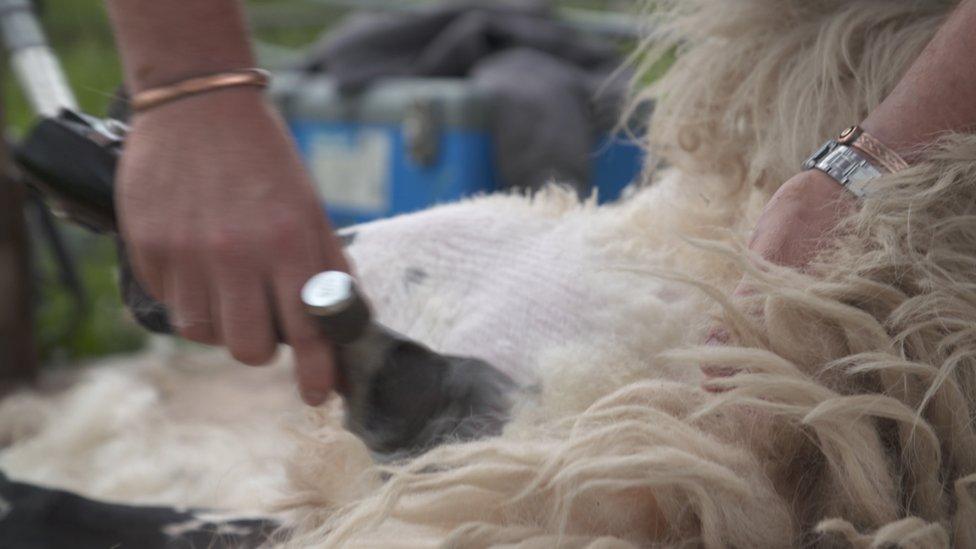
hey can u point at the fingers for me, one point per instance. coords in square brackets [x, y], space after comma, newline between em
[192, 304]
[225, 228]
[231, 298]
[245, 309]
[301, 256]
[314, 363]
[791, 230]
[148, 262]
[146, 242]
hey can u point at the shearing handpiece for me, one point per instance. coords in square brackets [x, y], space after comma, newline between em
[400, 397]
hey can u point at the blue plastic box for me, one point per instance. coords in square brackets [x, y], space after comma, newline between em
[406, 144]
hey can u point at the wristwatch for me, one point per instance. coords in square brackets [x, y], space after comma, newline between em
[855, 159]
[853, 170]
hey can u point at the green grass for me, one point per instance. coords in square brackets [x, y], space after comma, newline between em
[80, 34]
[66, 332]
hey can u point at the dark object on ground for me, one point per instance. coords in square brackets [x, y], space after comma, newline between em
[555, 89]
[32, 517]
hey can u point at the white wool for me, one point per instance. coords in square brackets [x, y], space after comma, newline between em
[509, 280]
[189, 430]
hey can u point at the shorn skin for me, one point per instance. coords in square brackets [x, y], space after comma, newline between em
[850, 418]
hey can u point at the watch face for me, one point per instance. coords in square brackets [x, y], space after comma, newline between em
[331, 291]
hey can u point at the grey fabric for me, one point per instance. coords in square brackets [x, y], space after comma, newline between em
[555, 89]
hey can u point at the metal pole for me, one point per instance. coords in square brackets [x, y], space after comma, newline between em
[36, 67]
[18, 356]
[41, 78]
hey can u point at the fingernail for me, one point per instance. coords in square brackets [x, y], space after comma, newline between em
[314, 398]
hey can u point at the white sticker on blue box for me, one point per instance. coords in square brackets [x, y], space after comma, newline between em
[352, 169]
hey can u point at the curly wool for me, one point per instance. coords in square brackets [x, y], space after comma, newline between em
[850, 417]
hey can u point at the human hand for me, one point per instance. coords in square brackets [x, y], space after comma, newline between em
[795, 225]
[797, 221]
[224, 227]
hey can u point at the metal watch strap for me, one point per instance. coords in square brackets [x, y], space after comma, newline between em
[846, 165]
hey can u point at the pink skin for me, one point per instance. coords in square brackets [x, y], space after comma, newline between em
[222, 221]
[791, 230]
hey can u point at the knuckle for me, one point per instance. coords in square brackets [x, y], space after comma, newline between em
[285, 230]
[225, 244]
[183, 244]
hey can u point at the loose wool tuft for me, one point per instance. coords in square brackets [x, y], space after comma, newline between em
[849, 421]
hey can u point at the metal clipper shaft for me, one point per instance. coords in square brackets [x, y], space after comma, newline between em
[333, 299]
[400, 396]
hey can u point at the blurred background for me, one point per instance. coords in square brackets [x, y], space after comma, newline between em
[78, 30]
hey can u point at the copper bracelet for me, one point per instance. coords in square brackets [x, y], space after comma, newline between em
[154, 97]
[883, 156]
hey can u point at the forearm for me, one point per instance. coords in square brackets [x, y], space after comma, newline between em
[938, 93]
[164, 41]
